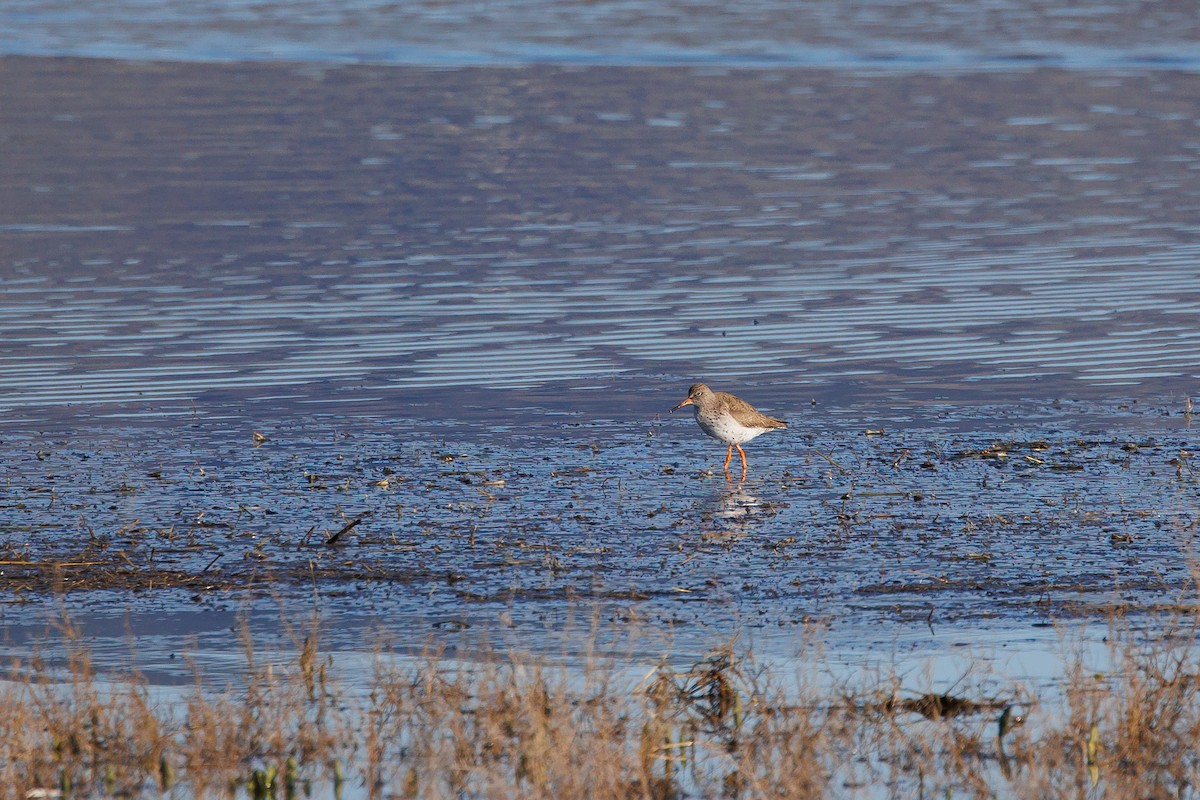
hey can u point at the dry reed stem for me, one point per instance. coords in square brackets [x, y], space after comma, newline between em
[517, 726]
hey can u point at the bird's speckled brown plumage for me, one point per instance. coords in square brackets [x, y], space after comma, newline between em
[728, 418]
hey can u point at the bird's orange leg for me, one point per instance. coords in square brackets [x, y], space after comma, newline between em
[742, 453]
[729, 457]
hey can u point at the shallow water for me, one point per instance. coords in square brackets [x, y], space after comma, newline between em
[457, 303]
[471, 243]
[895, 34]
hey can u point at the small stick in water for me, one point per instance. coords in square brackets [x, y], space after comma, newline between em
[348, 526]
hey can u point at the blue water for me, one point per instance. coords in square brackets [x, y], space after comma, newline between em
[945, 35]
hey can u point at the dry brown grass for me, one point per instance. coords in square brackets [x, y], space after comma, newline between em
[519, 727]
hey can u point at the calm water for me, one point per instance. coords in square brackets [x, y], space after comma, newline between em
[481, 268]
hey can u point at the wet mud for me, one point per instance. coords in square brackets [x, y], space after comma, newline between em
[854, 531]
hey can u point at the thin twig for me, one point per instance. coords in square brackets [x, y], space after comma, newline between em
[829, 458]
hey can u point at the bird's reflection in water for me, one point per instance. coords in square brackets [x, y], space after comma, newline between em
[734, 511]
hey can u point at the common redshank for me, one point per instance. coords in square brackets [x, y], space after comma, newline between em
[727, 418]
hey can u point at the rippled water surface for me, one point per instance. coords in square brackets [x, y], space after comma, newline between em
[892, 33]
[455, 303]
[402, 238]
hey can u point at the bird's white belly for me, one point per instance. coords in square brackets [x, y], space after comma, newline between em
[727, 429]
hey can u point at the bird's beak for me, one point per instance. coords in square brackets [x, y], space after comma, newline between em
[687, 401]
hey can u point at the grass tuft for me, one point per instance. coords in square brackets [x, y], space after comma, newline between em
[512, 725]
